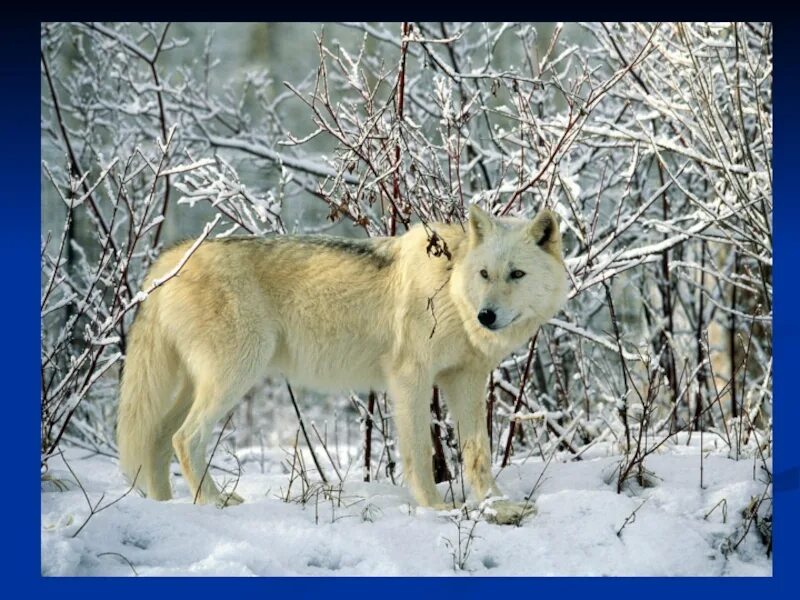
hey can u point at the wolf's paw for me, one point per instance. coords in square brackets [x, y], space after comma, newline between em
[434, 507]
[228, 499]
[507, 512]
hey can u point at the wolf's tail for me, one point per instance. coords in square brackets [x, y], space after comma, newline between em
[148, 381]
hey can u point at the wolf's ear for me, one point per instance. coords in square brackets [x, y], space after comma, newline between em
[480, 223]
[544, 231]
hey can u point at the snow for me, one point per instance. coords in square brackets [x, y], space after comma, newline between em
[374, 529]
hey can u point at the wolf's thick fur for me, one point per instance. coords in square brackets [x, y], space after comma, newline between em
[335, 314]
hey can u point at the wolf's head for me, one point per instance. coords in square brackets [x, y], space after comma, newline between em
[511, 274]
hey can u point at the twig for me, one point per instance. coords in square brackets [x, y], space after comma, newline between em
[96, 508]
[305, 434]
[118, 555]
[631, 518]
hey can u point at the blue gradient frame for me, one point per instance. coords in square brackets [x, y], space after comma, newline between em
[21, 295]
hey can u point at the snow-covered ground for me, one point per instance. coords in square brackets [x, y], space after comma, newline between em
[374, 529]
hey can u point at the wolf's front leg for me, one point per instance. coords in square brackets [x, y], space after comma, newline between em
[464, 395]
[410, 392]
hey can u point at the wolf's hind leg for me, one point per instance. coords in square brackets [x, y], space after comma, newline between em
[158, 475]
[411, 399]
[464, 395]
[212, 401]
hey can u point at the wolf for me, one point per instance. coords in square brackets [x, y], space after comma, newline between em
[335, 314]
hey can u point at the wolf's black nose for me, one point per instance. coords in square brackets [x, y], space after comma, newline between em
[486, 317]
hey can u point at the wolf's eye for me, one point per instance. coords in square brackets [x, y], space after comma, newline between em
[517, 274]
[484, 274]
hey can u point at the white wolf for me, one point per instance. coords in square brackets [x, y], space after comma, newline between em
[335, 314]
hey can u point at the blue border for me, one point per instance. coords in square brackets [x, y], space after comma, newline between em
[19, 244]
[786, 246]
